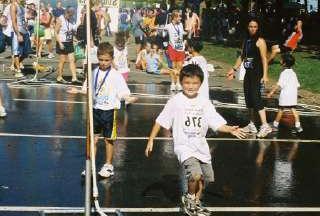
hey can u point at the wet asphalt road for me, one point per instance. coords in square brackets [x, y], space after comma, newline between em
[46, 171]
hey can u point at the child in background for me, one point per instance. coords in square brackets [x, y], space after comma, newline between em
[289, 84]
[194, 48]
[155, 63]
[190, 115]
[141, 58]
[121, 56]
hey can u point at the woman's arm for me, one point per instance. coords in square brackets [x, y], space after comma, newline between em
[261, 44]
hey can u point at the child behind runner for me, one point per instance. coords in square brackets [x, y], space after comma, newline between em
[109, 88]
[190, 115]
[176, 47]
[141, 57]
[121, 56]
[155, 63]
[194, 47]
[289, 85]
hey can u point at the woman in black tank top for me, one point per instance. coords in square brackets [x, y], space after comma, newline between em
[254, 59]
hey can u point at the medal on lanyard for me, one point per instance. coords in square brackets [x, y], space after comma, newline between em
[103, 81]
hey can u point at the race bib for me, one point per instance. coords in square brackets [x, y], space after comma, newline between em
[101, 100]
[69, 36]
[248, 63]
[178, 44]
[193, 122]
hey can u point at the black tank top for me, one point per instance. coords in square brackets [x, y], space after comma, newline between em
[251, 51]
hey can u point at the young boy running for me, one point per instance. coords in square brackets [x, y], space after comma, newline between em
[109, 88]
[289, 85]
[190, 115]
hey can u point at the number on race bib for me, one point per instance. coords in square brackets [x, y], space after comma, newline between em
[193, 121]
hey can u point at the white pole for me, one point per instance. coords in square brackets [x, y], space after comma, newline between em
[89, 107]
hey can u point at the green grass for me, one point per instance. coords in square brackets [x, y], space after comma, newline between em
[307, 64]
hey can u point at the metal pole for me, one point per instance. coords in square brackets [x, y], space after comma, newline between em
[88, 182]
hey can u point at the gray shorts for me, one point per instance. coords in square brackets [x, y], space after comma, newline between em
[192, 166]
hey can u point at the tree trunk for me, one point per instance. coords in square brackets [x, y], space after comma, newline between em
[306, 5]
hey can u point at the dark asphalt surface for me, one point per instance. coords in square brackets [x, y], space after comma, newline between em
[46, 171]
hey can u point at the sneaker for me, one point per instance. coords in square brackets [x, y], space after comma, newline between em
[76, 82]
[178, 87]
[106, 171]
[250, 128]
[62, 81]
[3, 112]
[51, 55]
[172, 87]
[18, 74]
[188, 205]
[298, 129]
[201, 211]
[264, 131]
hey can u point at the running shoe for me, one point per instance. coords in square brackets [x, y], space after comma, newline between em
[250, 128]
[201, 211]
[51, 55]
[189, 205]
[76, 82]
[297, 129]
[3, 112]
[18, 74]
[106, 171]
[172, 87]
[178, 87]
[264, 131]
[62, 81]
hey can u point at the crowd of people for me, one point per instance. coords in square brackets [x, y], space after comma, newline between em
[168, 42]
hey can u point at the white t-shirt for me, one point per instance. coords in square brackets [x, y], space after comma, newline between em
[8, 29]
[66, 30]
[202, 62]
[120, 59]
[289, 84]
[176, 36]
[190, 120]
[107, 95]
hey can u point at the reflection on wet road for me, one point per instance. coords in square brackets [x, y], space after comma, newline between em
[46, 171]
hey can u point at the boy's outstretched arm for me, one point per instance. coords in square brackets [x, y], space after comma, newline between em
[234, 130]
[154, 133]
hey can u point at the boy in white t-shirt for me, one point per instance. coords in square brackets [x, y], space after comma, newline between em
[289, 84]
[190, 115]
[194, 47]
[109, 88]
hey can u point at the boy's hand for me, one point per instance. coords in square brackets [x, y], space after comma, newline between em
[238, 132]
[269, 95]
[230, 74]
[130, 99]
[149, 148]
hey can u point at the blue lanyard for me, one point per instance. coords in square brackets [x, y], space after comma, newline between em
[176, 29]
[103, 81]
